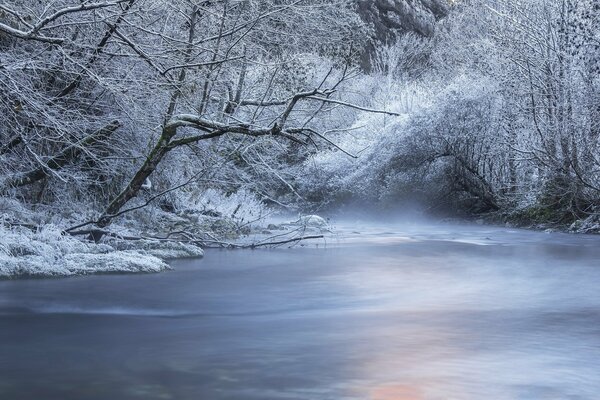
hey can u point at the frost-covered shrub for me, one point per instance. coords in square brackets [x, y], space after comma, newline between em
[419, 155]
[331, 175]
[241, 206]
[10, 207]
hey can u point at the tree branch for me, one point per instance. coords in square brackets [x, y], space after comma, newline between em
[61, 159]
[350, 105]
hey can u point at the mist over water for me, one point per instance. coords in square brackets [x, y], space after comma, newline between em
[385, 311]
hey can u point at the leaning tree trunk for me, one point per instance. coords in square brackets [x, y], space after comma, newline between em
[161, 148]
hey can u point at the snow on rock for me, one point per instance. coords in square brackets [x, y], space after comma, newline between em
[311, 220]
[589, 225]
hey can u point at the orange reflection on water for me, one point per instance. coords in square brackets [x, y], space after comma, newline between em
[409, 361]
[396, 392]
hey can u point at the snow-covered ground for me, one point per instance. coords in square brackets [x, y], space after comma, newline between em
[49, 253]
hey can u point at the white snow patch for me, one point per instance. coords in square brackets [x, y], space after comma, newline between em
[49, 253]
[311, 220]
[160, 249]
[79, 264]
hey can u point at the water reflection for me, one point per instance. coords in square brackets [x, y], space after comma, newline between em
[416, 313]
[398, 392]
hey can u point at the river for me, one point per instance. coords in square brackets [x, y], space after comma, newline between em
[395, 312]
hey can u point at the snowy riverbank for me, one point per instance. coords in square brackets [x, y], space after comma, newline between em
[49, 253]
[549, 222]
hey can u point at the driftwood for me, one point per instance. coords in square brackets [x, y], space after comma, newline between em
[280, 242]
[92, 234]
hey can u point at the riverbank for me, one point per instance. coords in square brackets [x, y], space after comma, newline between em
[540, 220]
[43, 250]
[36, 240]
[146, 241]
[48, 252]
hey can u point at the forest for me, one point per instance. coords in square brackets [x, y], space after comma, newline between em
[134, 131]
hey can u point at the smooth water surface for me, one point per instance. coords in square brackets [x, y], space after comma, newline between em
[385, 313]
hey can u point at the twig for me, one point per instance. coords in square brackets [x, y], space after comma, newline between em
[298, 239]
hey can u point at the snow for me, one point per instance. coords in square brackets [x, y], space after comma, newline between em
[48, 253]
[589, 225]
[79, 264]
[160, 249]
[314, 221]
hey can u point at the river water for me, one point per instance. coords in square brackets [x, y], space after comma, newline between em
[379, 313]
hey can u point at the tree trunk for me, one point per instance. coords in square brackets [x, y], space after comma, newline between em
[161, 148]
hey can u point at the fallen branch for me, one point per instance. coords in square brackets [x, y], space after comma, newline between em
[95, 233]
[278, 243]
